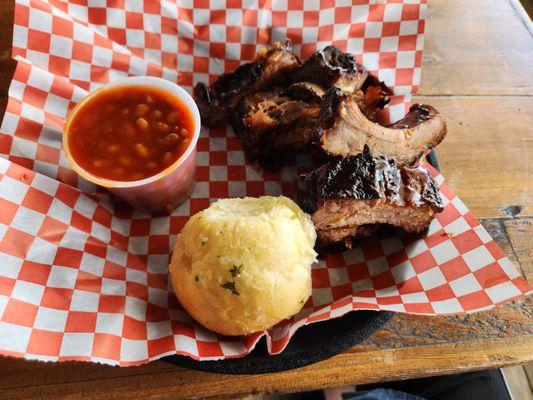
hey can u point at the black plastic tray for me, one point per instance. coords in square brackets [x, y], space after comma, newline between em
[310, 344]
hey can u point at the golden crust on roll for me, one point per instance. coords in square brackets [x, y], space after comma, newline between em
[243, 265]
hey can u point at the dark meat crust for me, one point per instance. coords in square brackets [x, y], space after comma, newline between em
[329, 111]
[351, 197]
[332, 67]
[272, 124]
[361, 178]
[272, 67]
[370, 99]
[306, 91]
[364, 177]
[282, 145]
[417, 114]
[372, 80]
[270, 110]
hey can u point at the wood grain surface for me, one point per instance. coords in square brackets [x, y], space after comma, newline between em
[484, 156]
[476, 47]
[477, 70]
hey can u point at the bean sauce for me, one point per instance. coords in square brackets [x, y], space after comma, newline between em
[130, 132]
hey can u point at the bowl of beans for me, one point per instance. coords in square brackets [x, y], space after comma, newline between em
[137, 138]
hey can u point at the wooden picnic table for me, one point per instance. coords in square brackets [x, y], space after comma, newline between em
[478, 64]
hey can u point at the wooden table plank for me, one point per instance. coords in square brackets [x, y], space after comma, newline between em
[502, 230]
[520, 233]
[484, 155]
[347, 368]
[476, 47]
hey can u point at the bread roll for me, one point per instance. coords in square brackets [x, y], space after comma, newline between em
[243, 265]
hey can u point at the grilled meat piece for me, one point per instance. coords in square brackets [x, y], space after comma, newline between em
[373, 96]
[305, 91]
[273, 123]
[271, 67]
[276, 121]
[345, 129]
[267, 110]
[277, 105]
[351, 197]
[331, 67]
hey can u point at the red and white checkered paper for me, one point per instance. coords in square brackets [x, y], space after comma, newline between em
[84, 278]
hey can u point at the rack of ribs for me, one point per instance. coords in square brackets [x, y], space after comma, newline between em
[351, 197]
[273, 103]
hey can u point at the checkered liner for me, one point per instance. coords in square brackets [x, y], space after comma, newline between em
[84, 278]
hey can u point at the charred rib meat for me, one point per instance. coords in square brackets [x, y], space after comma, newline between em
[272, 123]
[345, 129]
[331, 67]
[272, 67]
[275, 122]
[277, 105]
[352, 197]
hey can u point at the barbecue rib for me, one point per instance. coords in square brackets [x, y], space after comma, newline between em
[271, 67]
[331, 67]
[276, 105]
[349, 198]
[345, 130]
[276, 122]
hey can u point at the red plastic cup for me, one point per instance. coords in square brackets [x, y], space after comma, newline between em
[165, 190]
